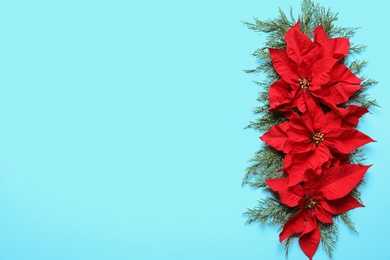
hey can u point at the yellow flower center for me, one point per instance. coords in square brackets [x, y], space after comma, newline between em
[318, 137]
[311, 203]
[304, 83]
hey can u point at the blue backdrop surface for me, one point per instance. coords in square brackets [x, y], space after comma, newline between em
[122, 130]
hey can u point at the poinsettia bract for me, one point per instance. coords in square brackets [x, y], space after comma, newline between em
[319, 198]
[311, 68]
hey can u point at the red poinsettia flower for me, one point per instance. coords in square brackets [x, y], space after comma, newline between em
[311, 140]
[319, 198]
[311, 68]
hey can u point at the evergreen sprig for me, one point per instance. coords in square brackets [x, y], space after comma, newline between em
[270, 211]
[267, 162]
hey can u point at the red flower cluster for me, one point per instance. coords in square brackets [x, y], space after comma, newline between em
[319, 134]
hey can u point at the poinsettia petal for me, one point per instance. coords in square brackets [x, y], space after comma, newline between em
[344, 141]
[289, 196]
[300, 129]
[301, 147]
[351, 115]
[309, 242]
[331, 121]
[302, 125]
[276, 136]
[336, 48]
[318, 156]
[339, 181]
[341, 205]
[322, 215]
[297, 132]
[314, 112]
[322, 71]
[341, 74]
[299, 45]
[299, 101]
[293, 167]
[341, 87]
[295, 225]
[336, 94]
[310, 221]
[283, 66]
[304, 70]
[296, 165]
[320, 34]
[287, 112]
[337, 160]
[311, 182]
[287, 164]
[277, 184]
[280, 93]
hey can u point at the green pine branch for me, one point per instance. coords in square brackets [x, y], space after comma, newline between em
[329, 237]
[347, 221]
[270, 211]
[267, 163]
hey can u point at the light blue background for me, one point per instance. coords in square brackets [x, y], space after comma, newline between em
[122, 130]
